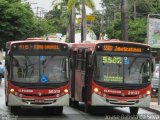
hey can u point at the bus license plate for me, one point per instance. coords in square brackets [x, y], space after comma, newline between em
[39, 101]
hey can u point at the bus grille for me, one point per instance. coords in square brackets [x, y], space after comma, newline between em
[122, 86]
[39, 102]
[36, 95]
[116, 102]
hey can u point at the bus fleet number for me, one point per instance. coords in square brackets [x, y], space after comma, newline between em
[54, 91]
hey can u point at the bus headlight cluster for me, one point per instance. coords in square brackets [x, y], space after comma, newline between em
[96, 90]
[12, 90]
[15, 93]
[144, 95]
[65, 91]
[148, 92]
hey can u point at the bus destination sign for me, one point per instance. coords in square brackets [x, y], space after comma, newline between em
[38, 47]
[122, 48]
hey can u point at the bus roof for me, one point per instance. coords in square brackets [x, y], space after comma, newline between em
[35, 38]
[92, 44]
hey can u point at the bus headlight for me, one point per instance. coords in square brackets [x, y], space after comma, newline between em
[96, 90]
[65, 90]
[148, 92]
[11, 90]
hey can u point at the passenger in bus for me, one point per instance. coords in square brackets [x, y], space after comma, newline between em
[15, 68]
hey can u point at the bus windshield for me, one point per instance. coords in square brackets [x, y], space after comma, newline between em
[116, 69]
[39, 69]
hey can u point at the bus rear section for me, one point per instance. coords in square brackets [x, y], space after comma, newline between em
[38, 75]
[117, 74]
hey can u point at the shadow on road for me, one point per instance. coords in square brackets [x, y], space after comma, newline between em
[103, 111]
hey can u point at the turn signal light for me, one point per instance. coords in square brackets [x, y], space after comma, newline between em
[96, 90]
[12, 90]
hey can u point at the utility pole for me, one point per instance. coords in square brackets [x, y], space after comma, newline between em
[124, 19]
[135, 10]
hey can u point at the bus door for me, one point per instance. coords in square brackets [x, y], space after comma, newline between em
[72, 71]
[79, 74]
[88, 77]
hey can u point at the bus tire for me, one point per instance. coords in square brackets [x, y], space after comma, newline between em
[75, 104]
[14, 109]
[70, 102]
[134, 110]
[6, 97]
[59, 110]
[6, 101]
[87, 108]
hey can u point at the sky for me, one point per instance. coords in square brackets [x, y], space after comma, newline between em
[47, 4]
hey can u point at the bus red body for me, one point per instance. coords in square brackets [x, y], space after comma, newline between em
[111, 73]
[37, 74]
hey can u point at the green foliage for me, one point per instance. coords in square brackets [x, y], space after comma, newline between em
[58, 18]
[114, 30]
[136, 32]
[97, 26]
[15, 19]
[144, 7]
[18, 22]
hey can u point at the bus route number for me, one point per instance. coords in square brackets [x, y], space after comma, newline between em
[112, 60]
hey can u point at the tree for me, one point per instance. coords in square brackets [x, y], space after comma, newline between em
[16, 19]
[18, 22]
[57, 21]
[97, 25]
[71, 6]
[91, 5]
[136, 32]
[141, 8]
[124, 19]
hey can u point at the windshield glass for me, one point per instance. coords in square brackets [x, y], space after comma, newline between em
[43, 69]
[117, 69]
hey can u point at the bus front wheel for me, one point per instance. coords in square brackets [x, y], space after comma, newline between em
[59, 110]
[14, 109]
[134, 110]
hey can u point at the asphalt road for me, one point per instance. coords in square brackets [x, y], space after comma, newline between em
[70, 113]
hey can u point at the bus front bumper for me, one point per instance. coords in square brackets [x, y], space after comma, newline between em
[17, 101]
[101, 101]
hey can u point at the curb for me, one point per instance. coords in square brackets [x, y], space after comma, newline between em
[152, 110]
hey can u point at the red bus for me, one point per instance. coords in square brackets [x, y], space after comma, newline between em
[111, 73]
[37, 75]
